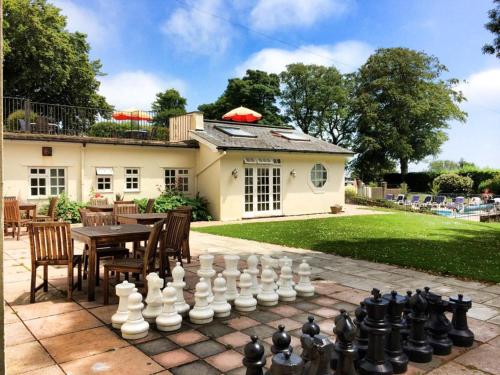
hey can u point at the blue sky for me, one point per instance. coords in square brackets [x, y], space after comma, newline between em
[195, 46]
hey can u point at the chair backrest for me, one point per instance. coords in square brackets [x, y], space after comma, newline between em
[98, 201]
[52, 207]
[389, 197]
[440, 199]
[9, 198]
[428, 199]
[151, 247]
[11, 210]
[401, 197]
[415, 198]
[50, 241]
[177, 226]
[150, 205]
[125, 208]
[459, 200]
[95, 219]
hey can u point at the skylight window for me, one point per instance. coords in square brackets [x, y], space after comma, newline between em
[292, 136]
[235, 132]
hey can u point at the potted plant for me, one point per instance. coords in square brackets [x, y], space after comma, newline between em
[336, 208]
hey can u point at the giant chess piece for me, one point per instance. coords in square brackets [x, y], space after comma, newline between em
[309, 331]
[345, 349]
[169, 319]
[281, 341]
[375, 360]
[231, 273]
[417, 346]
[362, 335]
[285, 290]
[268, 261]
[394, 348]
[319, 350]
[154, 297]
[460, 333]
[267, 295]
[245, 301]
[178, 283]
[438, 326]
[123, 290]
[285, 261]
[202, 312]
[220, 305]
[286, 363]
[207, 271]
[254, 357]
[135, 327]
[253, 270]
[405, 330]
[304, 288]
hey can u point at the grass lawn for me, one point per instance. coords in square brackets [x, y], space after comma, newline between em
[448, 246]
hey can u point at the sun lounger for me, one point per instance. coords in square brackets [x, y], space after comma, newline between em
[427, 201]
[389, 197]
[400, 199]
[439, 201]
[414, 201]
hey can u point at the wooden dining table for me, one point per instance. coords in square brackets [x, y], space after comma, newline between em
[144, 218]
[101, 208]
[104, 235]
[29, 208]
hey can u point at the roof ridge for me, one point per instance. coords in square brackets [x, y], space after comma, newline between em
[235, 123]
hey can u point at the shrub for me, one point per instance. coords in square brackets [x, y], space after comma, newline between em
[168, 201]
[453, 183]
[350, 192]
[493, 185]
[12, 119]
[67, 210]
[478, 175]
[115, 129]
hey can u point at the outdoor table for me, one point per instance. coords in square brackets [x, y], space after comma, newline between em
[146, 218]
[103, 208]
[29, 208]
[106, 235]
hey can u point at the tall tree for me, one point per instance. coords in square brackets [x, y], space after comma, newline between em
[404, 106]
[43, 61]
[257, 90]
[494, 26]
[167, 104]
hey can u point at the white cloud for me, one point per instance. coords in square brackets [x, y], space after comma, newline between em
[273, 14]
[482, 89]
[346, 56]
[196, 30]
[135, 89]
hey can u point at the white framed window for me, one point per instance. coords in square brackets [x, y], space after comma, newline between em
[177, 179]
[104, 180]
[319, 175]
[47, 182]
[132, 177]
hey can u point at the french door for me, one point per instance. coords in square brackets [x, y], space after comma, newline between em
[262, 191]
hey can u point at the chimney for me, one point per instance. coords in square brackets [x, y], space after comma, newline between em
[181, 125]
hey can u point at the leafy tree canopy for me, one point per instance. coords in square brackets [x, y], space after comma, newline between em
[167, 104]
[494, 26]
[404, 107]
[43, 61]
[257, 90]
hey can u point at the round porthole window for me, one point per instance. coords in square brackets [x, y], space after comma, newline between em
[319, 175]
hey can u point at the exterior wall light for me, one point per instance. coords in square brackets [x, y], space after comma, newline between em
[234, 173]
[293, 173]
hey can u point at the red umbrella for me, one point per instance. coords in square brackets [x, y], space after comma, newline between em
[133, 115]
[242, 114]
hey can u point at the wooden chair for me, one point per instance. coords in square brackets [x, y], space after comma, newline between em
[125, 208]
[93, 219]
[98, 201]
[150, 206]
[177, 227]
[12, 218]
[51, 244]
[186, 250]
[9, 198]
[133, 265]
[51, 214]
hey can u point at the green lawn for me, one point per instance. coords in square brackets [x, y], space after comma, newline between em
[448, 246]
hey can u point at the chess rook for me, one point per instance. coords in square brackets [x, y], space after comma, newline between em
[460, 333]
[123, 290]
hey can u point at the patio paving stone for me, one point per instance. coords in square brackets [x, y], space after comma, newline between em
[217, 329]
[26, 357]
[50, 370]
[104, 313]
[483, 331]
[174, 358]
[325, 312]
[262, 331]
[234, 339]
[187, 337]
[17, 333]
[453, 368]
[206, 348]
[226, 361]
[289, 324]
[198, 367]
[285, 310]
[242, 323]
[484, 358]
[158, 346]
[42, 309]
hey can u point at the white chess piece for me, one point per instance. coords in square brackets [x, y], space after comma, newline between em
[267, 295]
[268, 261]
[154, 298]
[284, 261]
[135, 327]
[207, 271]
[178, 283]
[123, 290]
[231, 273]
[220, 305]
[169, 319]
[252, 263]
[304, 288]
[202, 312]
[285, 290]
[245, 301]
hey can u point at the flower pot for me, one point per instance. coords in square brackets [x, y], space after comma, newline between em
[336, 208]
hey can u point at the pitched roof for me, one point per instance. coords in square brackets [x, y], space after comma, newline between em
[263, 138]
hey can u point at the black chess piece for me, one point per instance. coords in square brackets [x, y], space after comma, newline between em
[394, 349]
[254, 359]
[317, 349]
[286, 363]
[460, 333]
[375, 361]
[309, 330]
[345, 349]
[405, 330]
[281, 341]
[417, 347]
[438, 326]
[362, 336]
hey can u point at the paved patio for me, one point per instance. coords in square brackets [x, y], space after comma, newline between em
[54, 336]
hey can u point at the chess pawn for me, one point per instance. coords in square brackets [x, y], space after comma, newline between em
[135, 327]
[304, 288]
[202, 312]
[362, 335]
[285, 261]
[207, 271]
[270, 262]
[285, 290]
[393, 348]
[178, 283]
[345, 349]
[417, 346]
[254, 357]
[460, 333]
[438, 326]
[267, 295]
[169, 319]
[245, 300]
[219, 304]
[252, 263]
[123, 290]
[281, 341]
[231, 273]
[154, 297]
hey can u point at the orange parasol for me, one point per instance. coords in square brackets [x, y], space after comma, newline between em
[242, 114]
[132, 114]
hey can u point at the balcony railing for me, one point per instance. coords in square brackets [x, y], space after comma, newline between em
[25, 116]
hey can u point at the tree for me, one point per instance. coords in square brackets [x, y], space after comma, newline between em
[257, 90]
[317, 100]
[43, 61]
[494, 26]
[442, 165]
[404, 107]
[167, 104]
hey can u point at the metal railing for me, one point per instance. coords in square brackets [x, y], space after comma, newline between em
[25, 116]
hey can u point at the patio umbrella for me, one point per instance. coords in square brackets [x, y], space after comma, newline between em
[242, 114]
[132, 114]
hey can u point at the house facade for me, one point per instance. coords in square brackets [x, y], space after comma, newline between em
[243, 170]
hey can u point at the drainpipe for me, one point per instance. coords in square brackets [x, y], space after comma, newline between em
[82, 171]
[224, 153]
